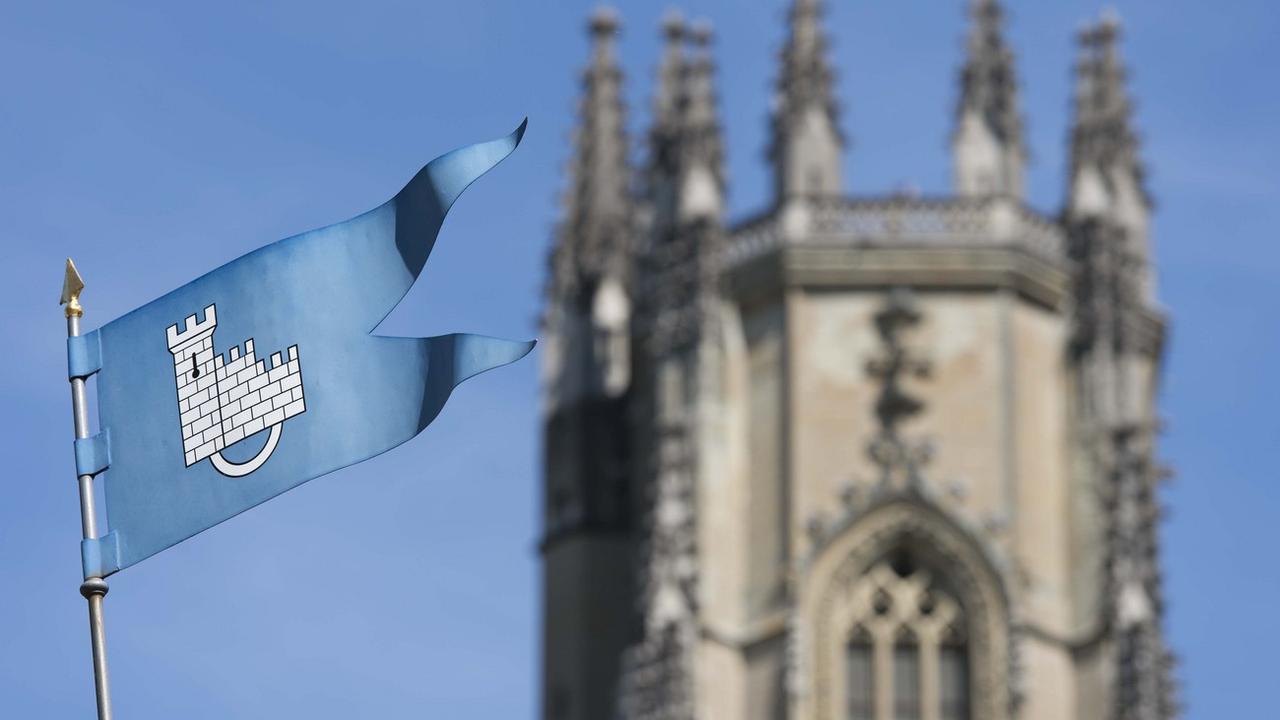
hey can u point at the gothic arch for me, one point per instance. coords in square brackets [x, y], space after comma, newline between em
[826, 584]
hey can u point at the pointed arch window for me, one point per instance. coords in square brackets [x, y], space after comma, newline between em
[906, 677]
[953, 680]
[860, 682]
[907, 657]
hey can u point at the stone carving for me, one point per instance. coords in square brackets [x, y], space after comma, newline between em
[988, 145]
[827, 603]
[806, 142]
[907, 222]
[899, 459]
[676, 330]
[1106, 220]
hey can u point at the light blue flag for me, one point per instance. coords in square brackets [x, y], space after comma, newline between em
[263, 374]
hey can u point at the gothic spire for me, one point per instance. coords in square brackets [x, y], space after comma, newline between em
[684, 202]
[1107, 176]
[593, 234]
[702, 171]
[671, 70]
[664, 132]
[989, 152]
[806, 145]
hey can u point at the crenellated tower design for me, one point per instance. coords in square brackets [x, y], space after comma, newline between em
[225, 399]
[852, 457]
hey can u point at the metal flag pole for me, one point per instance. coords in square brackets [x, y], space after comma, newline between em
[94, 589]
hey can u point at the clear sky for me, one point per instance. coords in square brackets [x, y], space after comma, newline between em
[153, 144]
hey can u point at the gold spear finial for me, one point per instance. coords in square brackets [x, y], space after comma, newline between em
[72, 284]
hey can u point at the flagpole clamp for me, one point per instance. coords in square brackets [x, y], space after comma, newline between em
[100, 557]
[84, 355]
[93, 454]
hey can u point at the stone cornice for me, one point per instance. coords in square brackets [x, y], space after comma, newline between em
[1148, 329]
[877, 242]
[923, 267]
[899, 220]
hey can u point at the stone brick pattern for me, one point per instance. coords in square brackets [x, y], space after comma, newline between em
[224, 399]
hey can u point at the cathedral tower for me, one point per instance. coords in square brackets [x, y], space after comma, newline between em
[852, 458]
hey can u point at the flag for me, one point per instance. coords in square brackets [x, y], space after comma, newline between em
[263, 373]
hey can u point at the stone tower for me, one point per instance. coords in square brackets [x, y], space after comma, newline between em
[851, 458]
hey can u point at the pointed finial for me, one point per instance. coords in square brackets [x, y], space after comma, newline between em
[701, 33]
[671, 72]
[604, 21]
[673, 25]
[806, 157]
[987, 143]
[72, 284]
[1110, 17]
[1103, 139]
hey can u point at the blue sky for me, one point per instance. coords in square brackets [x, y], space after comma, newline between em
[152, 144]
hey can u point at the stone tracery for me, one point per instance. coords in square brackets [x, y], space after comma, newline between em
[844, 575]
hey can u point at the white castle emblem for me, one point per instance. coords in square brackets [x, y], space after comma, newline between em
[225, 400]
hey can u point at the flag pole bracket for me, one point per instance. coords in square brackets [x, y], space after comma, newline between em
[100, 557]
[84, 355]
[93, 453]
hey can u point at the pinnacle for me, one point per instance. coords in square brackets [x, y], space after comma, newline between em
[988, 107]
[597, 203]
[989, 80]
[673, 26]
[699, 84]
[983, 7]
[1102, 134]
[1104, 32]
[604, 21]
[805, 164]
[701, 33]
[670, 72]
[1110, 18]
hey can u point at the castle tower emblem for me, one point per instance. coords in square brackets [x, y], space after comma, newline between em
[223, 400]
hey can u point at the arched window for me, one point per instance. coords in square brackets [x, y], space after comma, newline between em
[907, 656]
[953, 679]
[610, 344]
[906, 676]
[860, 679]
[900, 572]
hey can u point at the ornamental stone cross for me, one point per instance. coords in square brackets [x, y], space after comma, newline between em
[899, 459]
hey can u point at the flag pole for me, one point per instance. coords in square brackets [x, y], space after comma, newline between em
[94, 589]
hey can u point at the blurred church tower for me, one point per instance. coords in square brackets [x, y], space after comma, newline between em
[852, 457]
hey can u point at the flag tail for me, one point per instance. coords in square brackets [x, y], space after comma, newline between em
[454, 358]
[423, 203]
